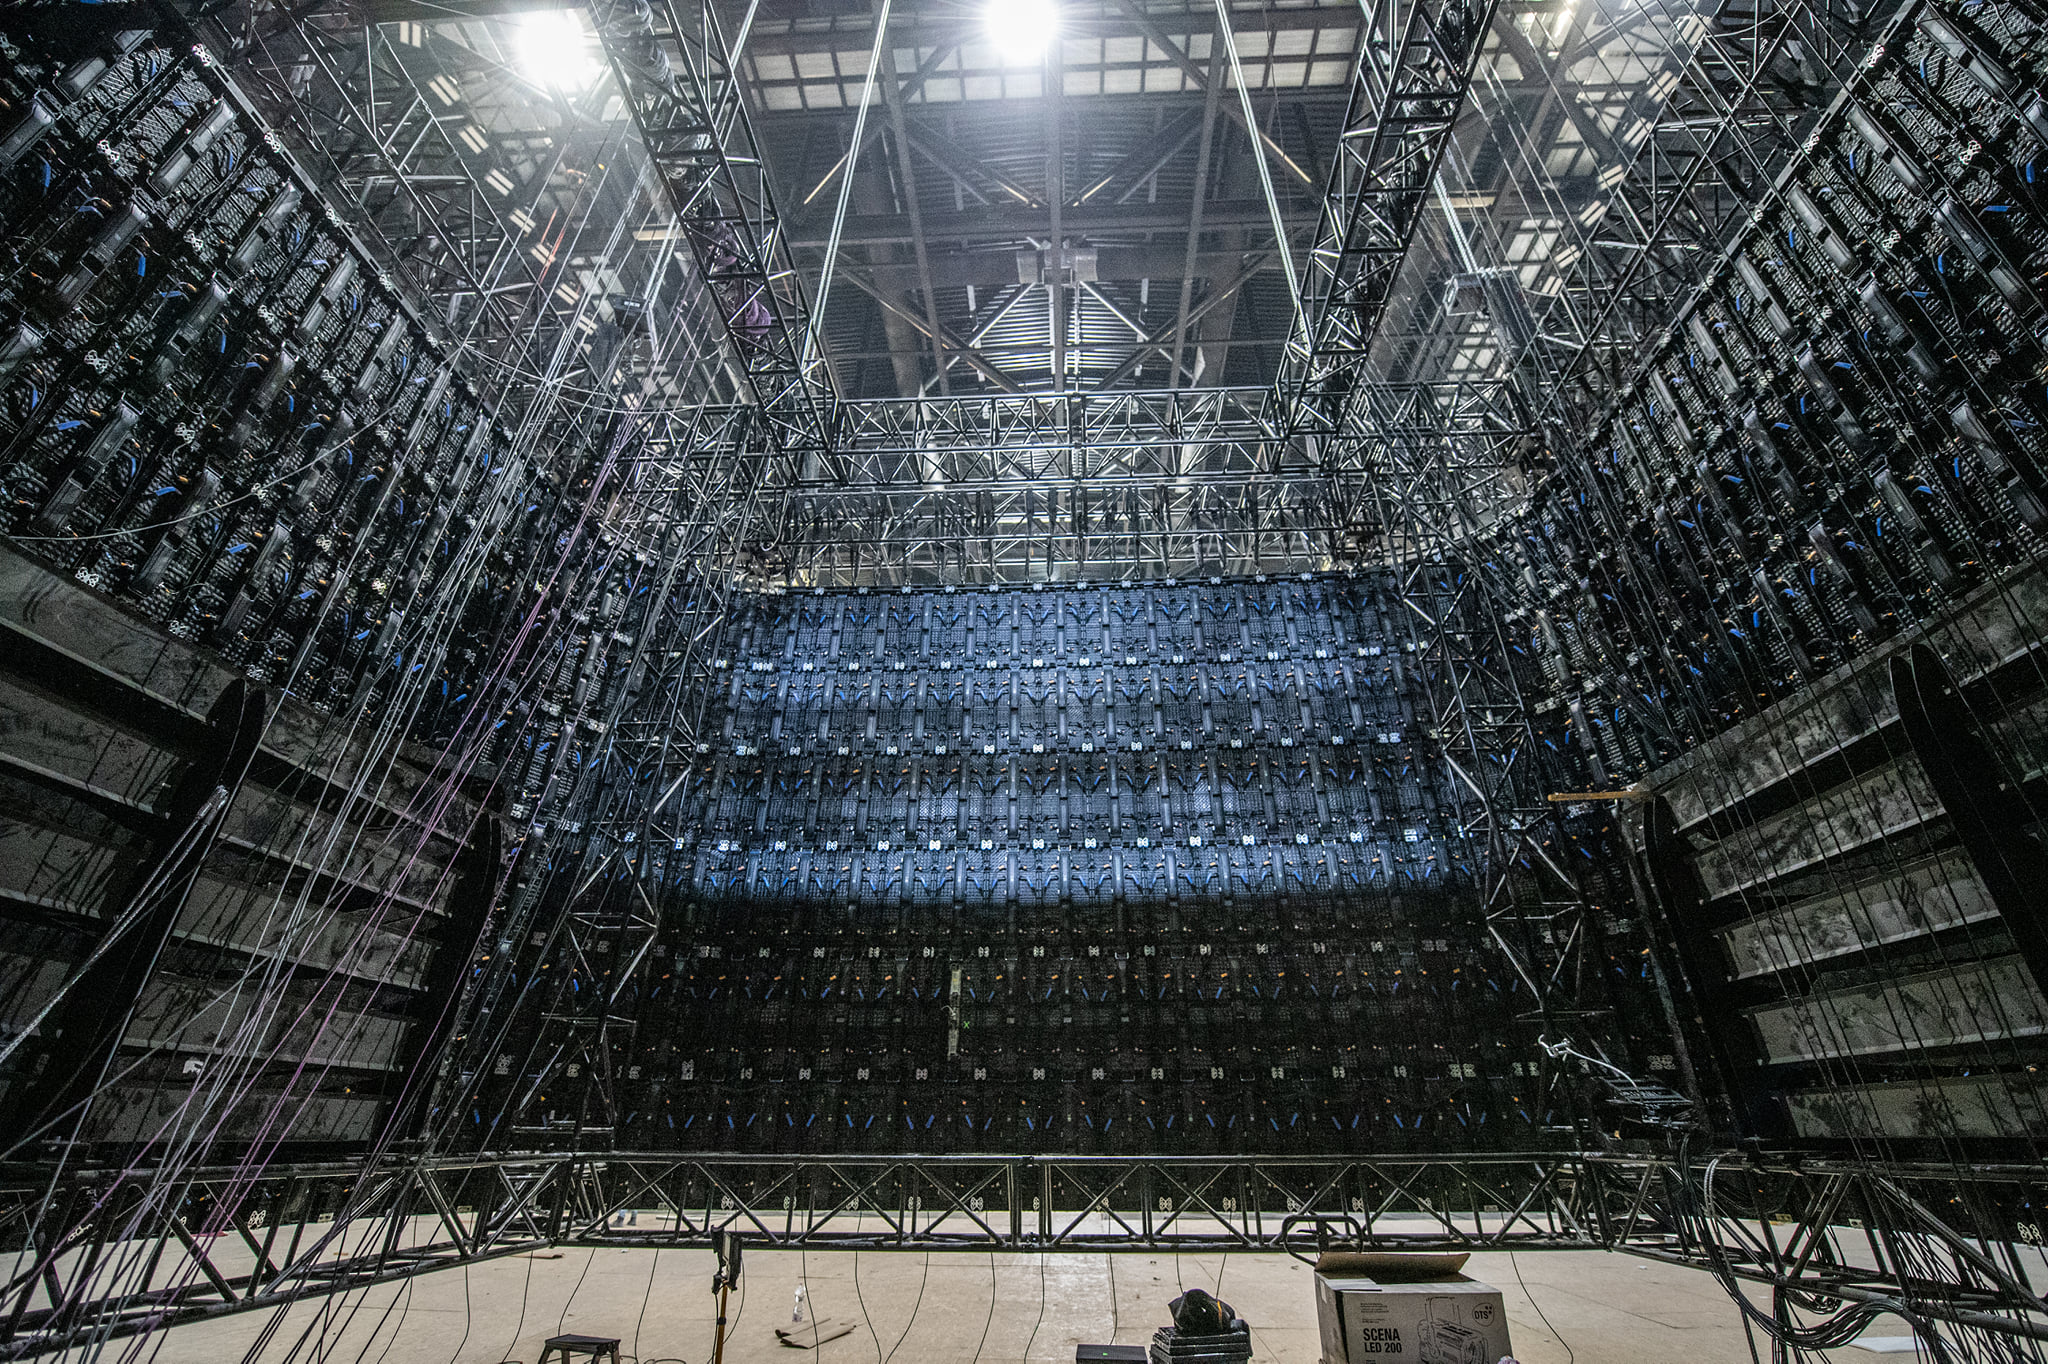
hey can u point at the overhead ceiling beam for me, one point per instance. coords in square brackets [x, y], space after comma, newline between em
[1054, 84]
[788, 122]
[365, 129]
[1408, 89]
[906, 169]
[1517, 45]
[940, 27]
[1244, 99]
[994, 269]
[1096, 356]
[965, 176]
[910, 87]
[1022, 225]
[1162, 340]
[984, 322]
[1211, 106]
[1236, 479]
[980, 363]
[1146, 160]
[444, 41]
[1150, 27]
[452, 11]
[686, 100]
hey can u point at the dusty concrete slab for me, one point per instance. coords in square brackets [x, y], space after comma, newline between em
[955, 1308]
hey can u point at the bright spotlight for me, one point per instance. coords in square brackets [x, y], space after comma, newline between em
[1020, 29]
[556, 50]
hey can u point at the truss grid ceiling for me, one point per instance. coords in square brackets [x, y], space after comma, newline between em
[1028, 626]
[1090, 219]
[956, 272]
[1165, 272]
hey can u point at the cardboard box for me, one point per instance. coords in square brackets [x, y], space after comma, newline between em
[1407, 1309]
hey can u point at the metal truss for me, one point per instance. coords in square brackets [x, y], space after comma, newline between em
[1117, 486]
[1414, 67]
[674, 67]
[506, 211]
[1606, 160]
[1416, 468]
[1271, 523]
[1703, 138]
[685, 520]
[1479, 718]
[101, 1254]
[1856, 1237]
[1028, 488]
[1080, 1203]
[360, 106]
[1430, 468]
[1025, 488]
[1746, 86]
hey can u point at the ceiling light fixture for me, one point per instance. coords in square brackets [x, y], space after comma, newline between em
[556, 50]
[1021, 29]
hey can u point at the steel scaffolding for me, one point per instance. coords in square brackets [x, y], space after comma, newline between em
[218, 1245]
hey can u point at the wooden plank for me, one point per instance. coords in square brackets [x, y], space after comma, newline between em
[1979, 1001]
[62, 870]
[164, 678]
[1991, 629]
[44, 732]
[1980, 1105]
[1874, 806]
[1926, 897]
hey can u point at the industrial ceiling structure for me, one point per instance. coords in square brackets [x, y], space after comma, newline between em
[1131, 237]
[1128, 624]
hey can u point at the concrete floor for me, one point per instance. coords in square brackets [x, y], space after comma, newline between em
[1609, 1309]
